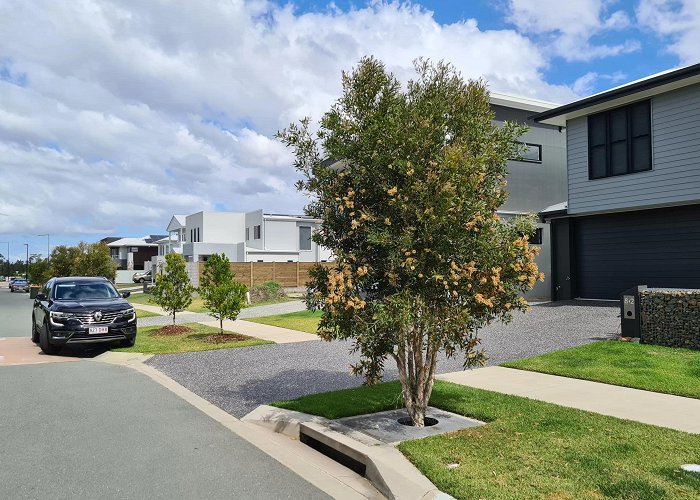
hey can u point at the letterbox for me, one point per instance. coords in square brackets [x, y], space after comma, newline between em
[630, 308]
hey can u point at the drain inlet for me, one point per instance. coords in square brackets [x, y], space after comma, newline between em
[338, 456]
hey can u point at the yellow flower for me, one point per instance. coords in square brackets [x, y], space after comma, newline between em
[392, 191]
[387, 221]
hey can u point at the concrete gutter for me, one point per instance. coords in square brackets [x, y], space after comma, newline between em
[386, 467]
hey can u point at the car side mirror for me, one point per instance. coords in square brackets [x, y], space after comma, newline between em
[126, 294]
[40, 296]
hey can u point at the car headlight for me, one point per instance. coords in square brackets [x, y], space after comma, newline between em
[129, 312]
[60, 318]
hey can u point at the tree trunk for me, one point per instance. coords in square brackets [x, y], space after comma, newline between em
[173, 317]
[416, 373]
[221, 325]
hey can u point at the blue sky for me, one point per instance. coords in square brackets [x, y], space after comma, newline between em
[117, 114]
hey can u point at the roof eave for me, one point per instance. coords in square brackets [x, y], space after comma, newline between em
[634, 91]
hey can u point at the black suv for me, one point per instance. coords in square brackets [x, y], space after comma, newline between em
[81, 311]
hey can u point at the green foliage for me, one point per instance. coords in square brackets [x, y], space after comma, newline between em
[93, 259]
[173, 290]
[269, 290]
[222, 295]
[40, 272]
[63, 259]
[409, 211]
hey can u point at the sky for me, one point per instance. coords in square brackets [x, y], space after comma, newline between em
[117, 114]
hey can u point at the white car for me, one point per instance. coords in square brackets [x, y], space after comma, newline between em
[141, 277]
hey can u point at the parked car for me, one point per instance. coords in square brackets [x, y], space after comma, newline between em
[141, 277]
[81, 311]
[19, 285]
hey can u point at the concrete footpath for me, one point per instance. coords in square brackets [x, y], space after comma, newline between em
[663, 410]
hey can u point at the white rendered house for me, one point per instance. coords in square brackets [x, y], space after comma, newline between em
[243, 237]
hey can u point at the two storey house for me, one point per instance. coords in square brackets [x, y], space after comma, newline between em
[633, 180]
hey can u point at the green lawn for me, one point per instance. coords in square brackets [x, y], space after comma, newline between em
[642, 366]
[197, 304]
[189, 342]
[304, 321]
[140, 313]
[531, 449]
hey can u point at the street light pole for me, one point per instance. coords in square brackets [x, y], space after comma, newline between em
[48, 246]
[26, 273]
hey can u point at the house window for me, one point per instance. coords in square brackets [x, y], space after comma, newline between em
[247, 234]
[256, 232]
[197, 234]
[536, 237]
[619, 141]
[304, 238]
[114, 253]
[532, 153]
[191, 235]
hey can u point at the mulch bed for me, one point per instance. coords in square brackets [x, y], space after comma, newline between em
[218, 338]
[171, 330]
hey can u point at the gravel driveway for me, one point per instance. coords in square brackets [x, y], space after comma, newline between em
[238, 380]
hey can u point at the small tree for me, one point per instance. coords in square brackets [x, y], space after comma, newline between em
[222, 295]
[94, 259]
[173, 290]
[409, 210]
[63, 259]
[40, 272]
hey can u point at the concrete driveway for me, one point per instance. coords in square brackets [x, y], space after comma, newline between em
[238, 380]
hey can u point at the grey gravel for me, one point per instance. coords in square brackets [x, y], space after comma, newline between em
[238, 380]
[248, 312]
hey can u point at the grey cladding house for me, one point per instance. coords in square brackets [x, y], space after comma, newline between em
[538, 179]
[633, 179]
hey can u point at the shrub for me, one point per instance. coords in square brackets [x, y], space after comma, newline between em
[269, 290]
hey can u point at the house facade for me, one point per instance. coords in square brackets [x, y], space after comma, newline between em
[633, 211]
[538, 179]
[243, 237]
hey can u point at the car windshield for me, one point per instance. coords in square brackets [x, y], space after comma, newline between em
[85, 291]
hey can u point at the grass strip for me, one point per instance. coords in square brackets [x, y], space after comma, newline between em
[303, 321]
[531, 449]
[640, 366]
[147, 343]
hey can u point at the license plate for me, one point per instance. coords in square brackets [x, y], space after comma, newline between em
[98, 329]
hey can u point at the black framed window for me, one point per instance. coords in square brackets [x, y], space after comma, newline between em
[532, 153]
[619, 141]
[247, 234]
[256, 232]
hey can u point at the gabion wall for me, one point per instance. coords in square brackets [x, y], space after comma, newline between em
[671, 317]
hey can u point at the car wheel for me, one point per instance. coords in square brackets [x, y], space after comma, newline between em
[127, 342]
[141, 280]
[46, 346]
[35, 335]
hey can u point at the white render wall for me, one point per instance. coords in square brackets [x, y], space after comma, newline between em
[253, 219]
[222, 227]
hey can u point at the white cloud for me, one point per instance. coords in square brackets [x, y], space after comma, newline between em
[568, 27]
[678, 20]
[118, 113]
[586, 84]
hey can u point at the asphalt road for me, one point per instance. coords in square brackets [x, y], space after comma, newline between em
[86, 429]
[15, 313]
[238, 380]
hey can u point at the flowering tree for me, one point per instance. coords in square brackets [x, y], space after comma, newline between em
[408, 203]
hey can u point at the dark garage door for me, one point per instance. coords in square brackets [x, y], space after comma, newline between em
[657, 248]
